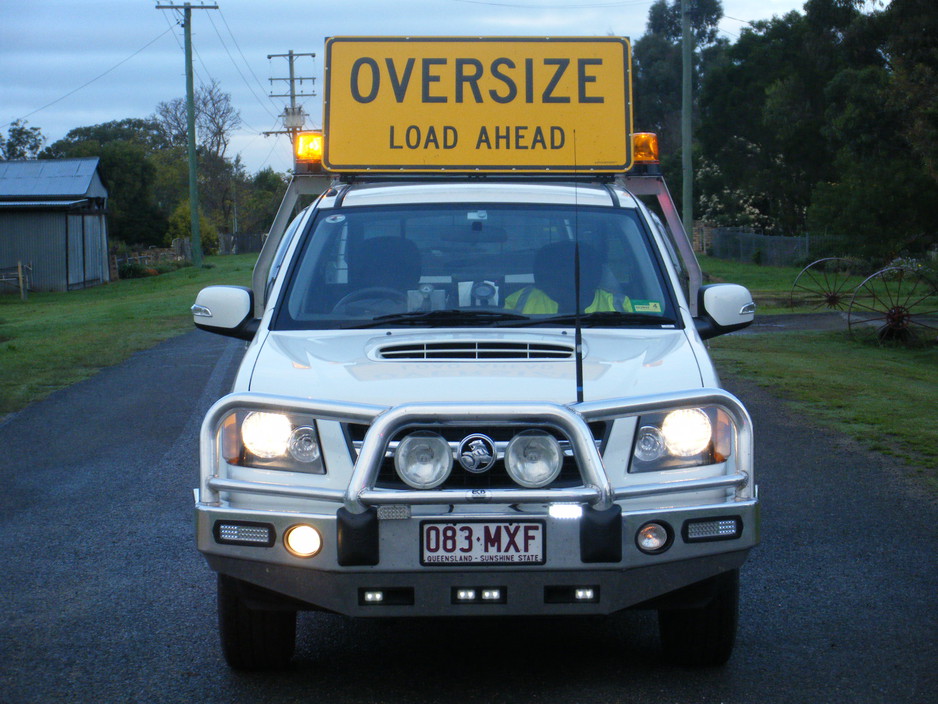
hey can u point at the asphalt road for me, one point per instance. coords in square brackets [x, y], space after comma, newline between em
[105, 599]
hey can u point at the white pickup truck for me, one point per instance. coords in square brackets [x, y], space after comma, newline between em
[477, 396]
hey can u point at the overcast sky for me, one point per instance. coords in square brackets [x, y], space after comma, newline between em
[73, 63]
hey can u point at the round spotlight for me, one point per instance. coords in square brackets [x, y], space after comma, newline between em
[266, 435]
[302, 540]
[533, 458]
[653, 538]
[304, 445]
[649, 446]
[423, 460]
[687, 432]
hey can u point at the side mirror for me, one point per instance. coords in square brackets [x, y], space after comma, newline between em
[226, 310]
[723, 308]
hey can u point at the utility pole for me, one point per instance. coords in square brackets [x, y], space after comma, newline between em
[687, 164]
[293, 116]
[196, 238]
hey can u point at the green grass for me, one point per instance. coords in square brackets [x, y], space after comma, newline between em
[770, 285]
[884, 396]
[53, 340]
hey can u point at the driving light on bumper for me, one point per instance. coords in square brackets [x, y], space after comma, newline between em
[533, 458]
[653, 538]
[423, 460]
[302, 540]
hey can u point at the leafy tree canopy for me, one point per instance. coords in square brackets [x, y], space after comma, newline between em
[21, 142]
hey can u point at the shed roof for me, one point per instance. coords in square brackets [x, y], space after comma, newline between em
[51, 178]
[40, 204]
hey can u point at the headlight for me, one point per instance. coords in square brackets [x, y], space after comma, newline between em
[266, 434]
[533, 458]
[687, 437]
[267, 440]
[423, 460]
[687, 432]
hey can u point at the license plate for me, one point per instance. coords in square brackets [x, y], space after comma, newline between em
[482, 543]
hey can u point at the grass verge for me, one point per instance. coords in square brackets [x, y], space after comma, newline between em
[53, 340]
[883, 396]
[770, 285]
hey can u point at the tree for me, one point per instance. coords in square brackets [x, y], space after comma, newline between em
[763, 109]
[21, 142]
[260, 200]
[143, 131]
[215, 117]
[124, 148]
[911, 48]
[657, 74]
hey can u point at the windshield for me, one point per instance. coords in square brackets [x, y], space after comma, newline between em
[452, 265]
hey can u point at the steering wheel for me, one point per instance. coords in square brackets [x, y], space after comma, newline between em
[372, 301]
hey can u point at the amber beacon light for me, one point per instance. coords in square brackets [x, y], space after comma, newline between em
[645, 148]
[308, 147]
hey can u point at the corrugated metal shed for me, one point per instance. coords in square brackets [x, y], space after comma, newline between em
[51, 178]
[52, 218]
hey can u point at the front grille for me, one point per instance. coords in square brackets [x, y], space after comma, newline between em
[462, 479]
[468, 351]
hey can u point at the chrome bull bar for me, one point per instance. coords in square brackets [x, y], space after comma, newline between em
[384, 422]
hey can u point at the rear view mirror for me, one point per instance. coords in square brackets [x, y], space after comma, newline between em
[723, 308]
[226, 310]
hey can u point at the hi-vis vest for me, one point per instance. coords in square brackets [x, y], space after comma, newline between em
[533, 301]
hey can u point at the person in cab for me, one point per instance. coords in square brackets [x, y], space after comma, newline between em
[554, 291]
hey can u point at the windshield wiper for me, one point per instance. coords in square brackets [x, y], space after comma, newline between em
[603, 318]
[453, 317]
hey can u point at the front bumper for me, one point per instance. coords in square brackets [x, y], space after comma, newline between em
[372, 537]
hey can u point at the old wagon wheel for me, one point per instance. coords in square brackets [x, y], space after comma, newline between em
[826, 284]
[895, 305]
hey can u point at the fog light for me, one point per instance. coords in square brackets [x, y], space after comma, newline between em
[373, 597]
[533, 458]
[423, 460]
[653, 538]
[302, 540]
[584, 594]
[491, 595]
[465, 594]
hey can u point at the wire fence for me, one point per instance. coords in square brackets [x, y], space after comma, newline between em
[742, 245]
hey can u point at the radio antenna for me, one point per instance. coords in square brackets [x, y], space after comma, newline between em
[578, 328]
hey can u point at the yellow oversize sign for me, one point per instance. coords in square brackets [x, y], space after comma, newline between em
[438, 104]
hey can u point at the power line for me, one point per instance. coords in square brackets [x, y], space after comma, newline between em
[238, 69]
[736, 19]
[99, 76]
[246, 63]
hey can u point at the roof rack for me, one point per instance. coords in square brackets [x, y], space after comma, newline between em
[494, 177]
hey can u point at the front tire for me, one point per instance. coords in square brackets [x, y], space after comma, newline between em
[252, 639]
[703, 636]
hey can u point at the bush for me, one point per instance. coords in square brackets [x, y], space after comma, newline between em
[180, 227]
[131, 270]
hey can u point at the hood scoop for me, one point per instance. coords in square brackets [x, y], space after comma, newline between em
[487, 350]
